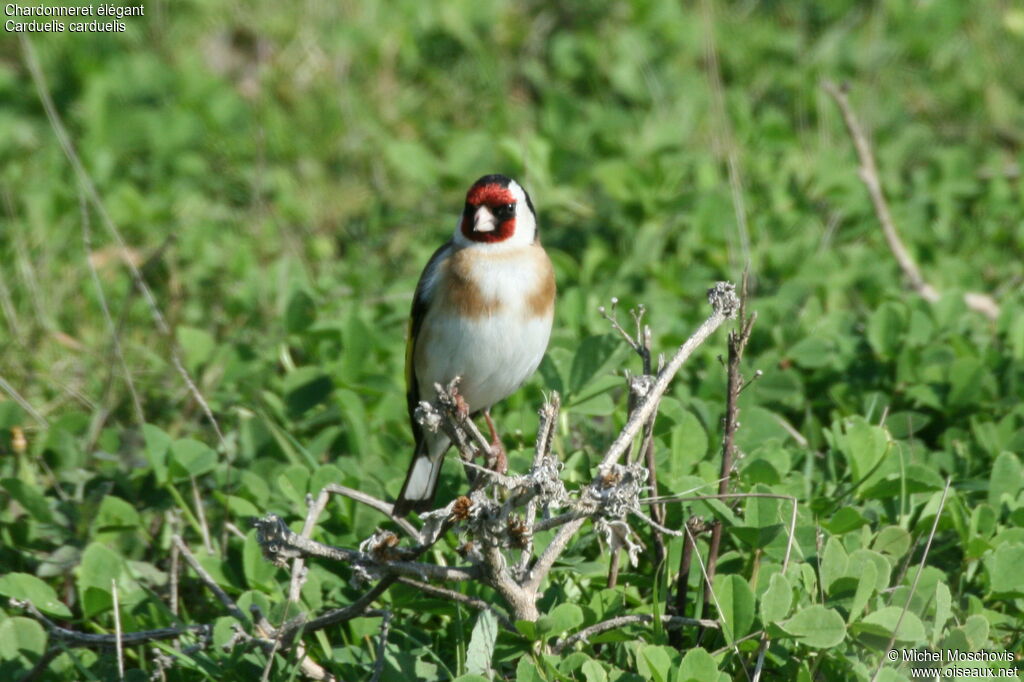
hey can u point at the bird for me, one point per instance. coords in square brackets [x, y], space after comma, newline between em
[482, 311]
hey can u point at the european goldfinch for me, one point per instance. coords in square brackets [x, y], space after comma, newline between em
[482, 311]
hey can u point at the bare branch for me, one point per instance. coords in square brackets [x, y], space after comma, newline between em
[981, 303]
[280, 543]
[221, 595]
[382, 643]
[90, 640]
[723, 300]
[545, 433]
[380, 505]
[452, 595]
[671, 622]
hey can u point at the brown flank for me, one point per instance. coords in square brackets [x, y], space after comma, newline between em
[542, 298]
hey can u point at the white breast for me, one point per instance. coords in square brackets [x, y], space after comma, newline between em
[494, 353]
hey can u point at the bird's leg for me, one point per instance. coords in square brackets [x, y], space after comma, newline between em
[499, 461]
[461, 406]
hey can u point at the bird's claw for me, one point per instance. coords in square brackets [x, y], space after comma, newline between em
[461, 406]
[498, 461]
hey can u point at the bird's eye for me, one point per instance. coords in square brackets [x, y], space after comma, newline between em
[505, 211]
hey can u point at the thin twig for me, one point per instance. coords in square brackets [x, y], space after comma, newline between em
[670, 622]
[115, 335]
[88, 639]
[639, 386]
[726, 304]
[548, 414]
[24, 404]
[917, 578]
[721, 612]
[383, 507]
[734, 383]
[119, 645]
[174, 573]
[280, 541]
[452, 595]
[382, 643]
[208, 580]
[980, 303]
[727, 142]
[87, 185]
[204, 528]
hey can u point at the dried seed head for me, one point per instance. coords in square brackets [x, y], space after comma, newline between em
[518, 533]
[610, 478]
[461, 508]
[382, 547]
[470, 552]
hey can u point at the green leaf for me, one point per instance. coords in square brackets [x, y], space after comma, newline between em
[811, 353]
[834, 562]
[560, 619]
[863, 446]
[158, 444]
[1005, 479]
[816, 626]
[305, 388]
[197, 346]
[1004, 569]
[20, 636]
[883, 624]
[300, 314]
[776, 600]
[528, 629]
[966, 381]
[892, 541]
[10, 414]
[697, 666]
[115, 514]
[100, 566]
[736, 603]
[656, 660]
[886, 327]
[259, 573]
[943, 610]
[526, 669]
[481, 643]
[866, 583]
[190, 458]
[29, 497]
[846, 519]
[31, 589]
[883, 567]
[593, 671]
[594, 356]
[976, 630]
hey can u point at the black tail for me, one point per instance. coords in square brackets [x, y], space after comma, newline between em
[420, 482]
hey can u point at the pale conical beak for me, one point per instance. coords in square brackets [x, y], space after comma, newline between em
[483, 220]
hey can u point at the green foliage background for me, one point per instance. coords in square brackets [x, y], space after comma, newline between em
[282, 171]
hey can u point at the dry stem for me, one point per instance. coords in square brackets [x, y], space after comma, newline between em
[981, 303]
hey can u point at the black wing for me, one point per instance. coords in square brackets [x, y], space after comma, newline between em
[420, 305]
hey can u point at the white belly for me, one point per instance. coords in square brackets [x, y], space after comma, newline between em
[494, 354]
[484, 324]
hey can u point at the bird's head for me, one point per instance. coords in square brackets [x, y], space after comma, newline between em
[498, 211]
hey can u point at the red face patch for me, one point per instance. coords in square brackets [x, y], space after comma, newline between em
[496, 198]
[491, 194]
